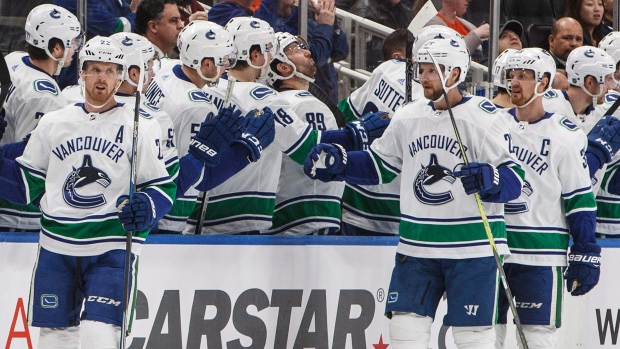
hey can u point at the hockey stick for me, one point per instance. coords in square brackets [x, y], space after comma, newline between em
[132, 190]
[203, 202]
[485, 220]
[323, 97]
[5, 80]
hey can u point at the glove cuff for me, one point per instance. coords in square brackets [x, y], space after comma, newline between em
[252, 144]
[204, 151]
[358, 133]
[599, 148]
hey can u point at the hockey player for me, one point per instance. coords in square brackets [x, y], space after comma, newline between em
[611, 44]
[52, 34]
[79, 159]
[556, 203]
[443, 245]
[205, 50]
[590, 72]
[242, 206]
[502, 99]
[303, 206]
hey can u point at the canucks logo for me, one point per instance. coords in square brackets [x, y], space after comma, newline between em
[519, 207]
[428, 176]
[81, 177]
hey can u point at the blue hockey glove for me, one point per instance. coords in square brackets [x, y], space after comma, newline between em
[259, 132]
[370, 127]
[3, 125]
[326, 162]
[139, 214]
[215, 133]
[604, 139]
[479, 177]
[584, 268]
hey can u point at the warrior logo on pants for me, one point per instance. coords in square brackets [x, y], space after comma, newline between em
[81, 177]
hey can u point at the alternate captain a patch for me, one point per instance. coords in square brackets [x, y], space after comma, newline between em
[428, 176]
[83, 176]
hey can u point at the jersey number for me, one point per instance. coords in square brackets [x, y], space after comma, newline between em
[316, 121]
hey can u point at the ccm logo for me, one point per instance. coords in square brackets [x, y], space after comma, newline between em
[585, 259]
[203, 148]
[103, 300]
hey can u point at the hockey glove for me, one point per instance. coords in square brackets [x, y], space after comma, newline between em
[139, 214]
[326, 162]
[215, 133]
[584, 268]
[259, 132]
[370, 127]
[604, 139]
[479, 177]
[3, 125]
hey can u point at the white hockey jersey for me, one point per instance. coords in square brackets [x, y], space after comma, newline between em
[304, 205]
[551, 152]
[81, 162]
[376, 207]
[246, 201]
[188, 106]
[438, 219]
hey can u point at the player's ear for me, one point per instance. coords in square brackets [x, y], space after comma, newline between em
[134, 73]
[58, 50]
[284, 69]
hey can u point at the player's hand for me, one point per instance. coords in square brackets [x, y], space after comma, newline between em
[259, 130]
[326, 162]
[3, 125]
[584, 268]
[214, 134]
[604, 139]
[137, 215]
[370, 127]
[479, 177]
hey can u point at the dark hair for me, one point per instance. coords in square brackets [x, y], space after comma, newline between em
[149, 10]
[39, 53]
[244, 64]
[395, 42]
[573, 7]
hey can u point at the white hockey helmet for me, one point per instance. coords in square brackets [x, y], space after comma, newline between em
[538, 60]
[451, 53]
[249, 31]
[103, 49]
[283, 39]
[433, 32]
[611, 44]
[48, 21]
[498, 67]
[588, 60]
[137, 49]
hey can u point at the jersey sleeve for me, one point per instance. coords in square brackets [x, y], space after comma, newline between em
[387, 152]
[33, 166]
[579, 201]
[27, 107]
[357, 100]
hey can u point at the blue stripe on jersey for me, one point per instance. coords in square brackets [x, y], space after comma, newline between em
[469, 244]
[238, 218]
[87, 218]
[299, 140]
[371, 217]
[375, 194]
[607, 198]
[447, 220]
[154, 181]
[306, 197]
[23, 214]
[386, 164]
[90, 242]
[31, 170]
[171, 160]
[243, 193]
[576, 191]
[304, 221]
[538, 252]
[536, 229]
[357, 113]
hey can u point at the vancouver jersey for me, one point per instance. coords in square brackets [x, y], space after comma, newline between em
[556, 193]
[33, 93]
[556, 101]
[304, 205]
[188, 107]
[81, 161]
[376, 207]
[246, 201]
[438, 219]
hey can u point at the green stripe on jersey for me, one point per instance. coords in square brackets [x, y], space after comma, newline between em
[173, 168]
[537, 240]
[344, 107]
[607, 209]
[182, 208]
[447, 233]
[240, 206]
[30, 208]
[304, 210]
[386, 175]
[301, 152]
[374, 206]
[580, 201]
[518, 171]
[88, 230]
[608, 174]
[34, 184]
[168, 188]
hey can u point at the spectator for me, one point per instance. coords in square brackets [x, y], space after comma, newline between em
[608, 15]
[160, 22]
[391, 13]
[510, 36]
[589, 13]
[223, 11]
[565, 36]
[328, 43]
[449, 15]
[191, 10]
[560, 81]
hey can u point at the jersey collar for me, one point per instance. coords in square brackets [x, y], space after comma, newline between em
[26, 60]
[178, 72]
[117, 105]
[512, 111]
[463, 100]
